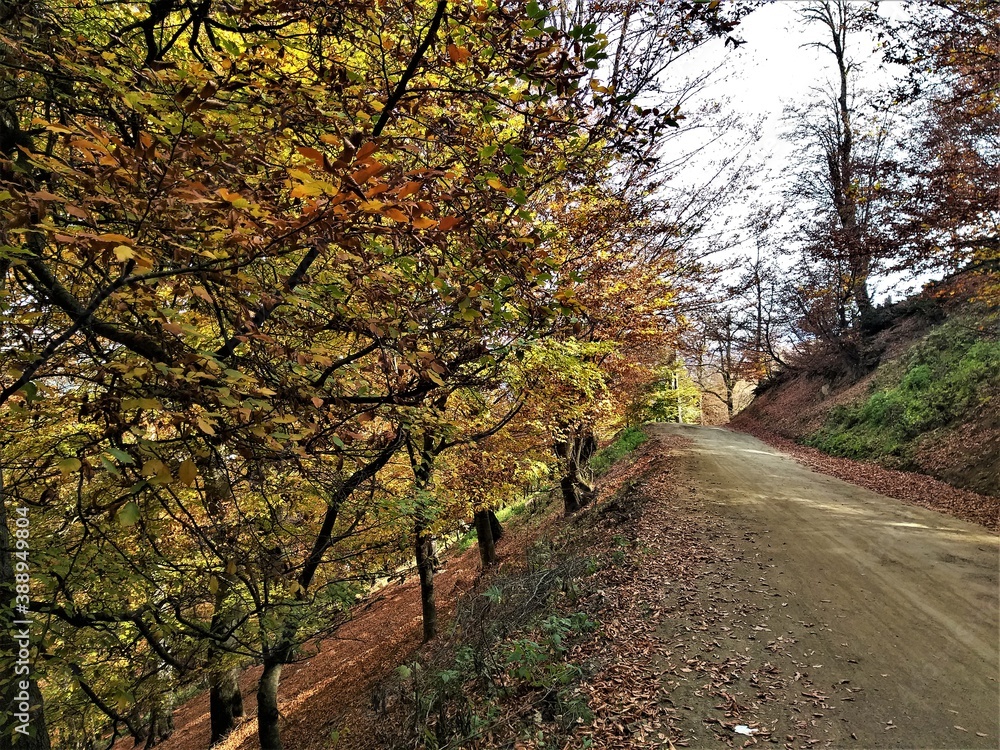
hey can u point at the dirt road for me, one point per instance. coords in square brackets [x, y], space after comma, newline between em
[887, 612]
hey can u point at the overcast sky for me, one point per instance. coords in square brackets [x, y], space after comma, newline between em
[775, 67]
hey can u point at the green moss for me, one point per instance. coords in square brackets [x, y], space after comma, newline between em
[630, 439]
[944, 380]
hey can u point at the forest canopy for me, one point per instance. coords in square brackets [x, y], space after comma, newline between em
[291, 290]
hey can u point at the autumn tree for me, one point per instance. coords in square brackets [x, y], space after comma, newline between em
[244, 253]
[841, 177]
[946, 188]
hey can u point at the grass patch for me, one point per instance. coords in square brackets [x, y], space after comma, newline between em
[629, 439]
[945, 380]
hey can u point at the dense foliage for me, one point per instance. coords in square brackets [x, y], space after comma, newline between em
[288, 290]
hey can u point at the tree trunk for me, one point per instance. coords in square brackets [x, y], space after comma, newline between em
[495, 526]
[564, 450]
[587, 449]
[161, 723]
[571, 501]
[422, 464]
[225, 702]
[484, 536]
[268, 731]
[426, 563]
[575, 451]
[19, 730]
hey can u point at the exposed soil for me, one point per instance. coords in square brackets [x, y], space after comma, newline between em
[328, 694]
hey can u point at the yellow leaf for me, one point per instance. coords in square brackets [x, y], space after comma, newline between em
[200, 291]
[231, 568]
[213, 584]
[188, 472]
[68, 465]
[496, 185]
[205, 426]
[124, 253]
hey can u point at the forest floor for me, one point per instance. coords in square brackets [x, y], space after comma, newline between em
[755, 601]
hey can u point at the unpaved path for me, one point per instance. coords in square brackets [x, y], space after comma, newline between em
[886, 613]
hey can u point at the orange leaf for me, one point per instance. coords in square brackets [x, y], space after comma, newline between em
[363, 175]
[365, 151]
[409, 189]
[396, 215]
[458, 54]
[113, 239]
[423, 222]
[44, 195]
[447, 222]
[311, 153]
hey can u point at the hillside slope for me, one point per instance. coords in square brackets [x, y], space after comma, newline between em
[926, 397]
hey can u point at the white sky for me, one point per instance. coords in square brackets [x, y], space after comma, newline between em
[774, 68]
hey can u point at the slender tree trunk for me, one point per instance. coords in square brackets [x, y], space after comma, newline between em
[18, 691]
[161, 723]
[426, 563]
[484, 536]
[268, 730]
[422, 463]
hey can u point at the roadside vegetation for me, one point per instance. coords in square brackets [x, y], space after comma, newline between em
[943, 381]
[624, 443]
[507, 667]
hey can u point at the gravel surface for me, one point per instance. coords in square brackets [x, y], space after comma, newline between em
[908, 486]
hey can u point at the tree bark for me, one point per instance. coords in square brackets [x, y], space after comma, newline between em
[426, 564]
[225, 703]
[268, 731]
[495, 526]
[484, 536]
